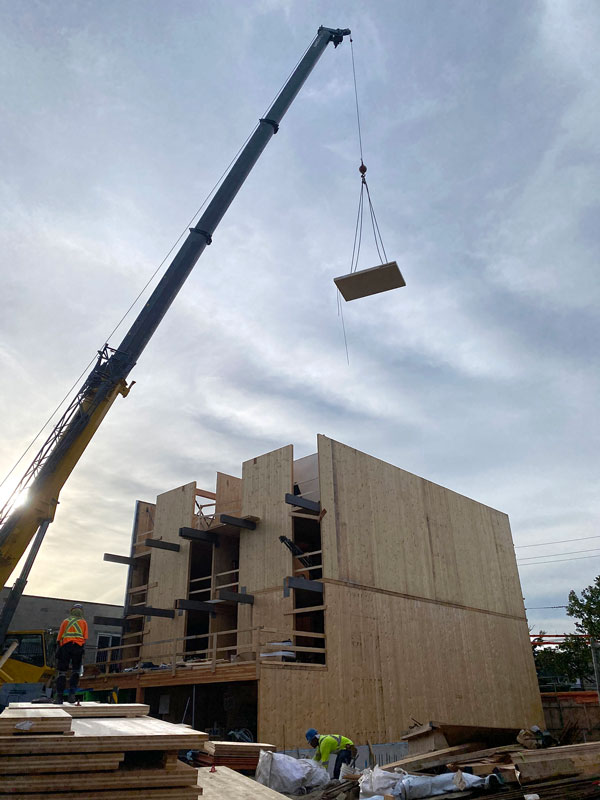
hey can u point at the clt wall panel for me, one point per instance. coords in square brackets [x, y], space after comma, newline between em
[229, 495]
[388, 528]
[390, 659]
[169, 571]
[264, 561]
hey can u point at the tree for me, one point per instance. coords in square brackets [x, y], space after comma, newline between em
[586, 610]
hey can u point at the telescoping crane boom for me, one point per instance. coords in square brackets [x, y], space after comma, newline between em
[60, 453]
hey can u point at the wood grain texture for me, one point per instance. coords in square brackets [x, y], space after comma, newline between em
[264, 561]
[182, 793]
[34, 720]
[229, 495]
[106, 736]
[169, 571]
[88, 709]
[226, 783]
[83, 762]
[388, 528]
[182, 775]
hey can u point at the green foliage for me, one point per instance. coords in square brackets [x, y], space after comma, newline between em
[586, 609]
[572, 659]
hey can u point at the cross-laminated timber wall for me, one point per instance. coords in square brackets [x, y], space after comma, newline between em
[424, 616]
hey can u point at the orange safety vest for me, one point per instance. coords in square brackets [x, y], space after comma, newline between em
[73, 629]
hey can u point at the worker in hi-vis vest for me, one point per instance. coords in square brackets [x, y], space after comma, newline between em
[71, 639]
[331, 744]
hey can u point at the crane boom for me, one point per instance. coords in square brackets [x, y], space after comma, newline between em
[60, 453]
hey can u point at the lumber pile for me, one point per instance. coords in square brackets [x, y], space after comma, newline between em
[571, 771]
[241, 756]
[50, 753]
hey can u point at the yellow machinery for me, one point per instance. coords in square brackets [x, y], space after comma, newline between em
[25, 665]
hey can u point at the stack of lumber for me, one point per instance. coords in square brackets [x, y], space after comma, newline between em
[236, 755]
[226, 784]
[94, 752]
[572, 771]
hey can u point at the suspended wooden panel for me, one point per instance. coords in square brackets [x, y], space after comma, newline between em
[370, 281]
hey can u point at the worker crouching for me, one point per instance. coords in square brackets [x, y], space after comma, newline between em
[330, 744]
[71, 639]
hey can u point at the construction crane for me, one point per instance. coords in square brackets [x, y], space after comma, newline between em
[20, 523]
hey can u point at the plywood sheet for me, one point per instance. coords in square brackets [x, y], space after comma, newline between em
[168, 577]
[390, 529]
[226, 783]
[89, 709]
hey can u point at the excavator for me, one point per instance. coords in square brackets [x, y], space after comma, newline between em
[25, 517]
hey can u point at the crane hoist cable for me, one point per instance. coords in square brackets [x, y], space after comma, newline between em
[364, 190]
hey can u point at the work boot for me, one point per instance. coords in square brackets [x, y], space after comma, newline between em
[58, 700]
[72, 698]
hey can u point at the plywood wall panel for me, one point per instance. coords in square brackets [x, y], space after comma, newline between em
[264, 561]
[168, 578]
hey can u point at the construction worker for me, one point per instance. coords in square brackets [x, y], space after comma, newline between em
[71, 640]
[331, 744]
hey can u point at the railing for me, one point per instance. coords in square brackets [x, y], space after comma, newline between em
[212, 588]
[262, 644]
[299, 567]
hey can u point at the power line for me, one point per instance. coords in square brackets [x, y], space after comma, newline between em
[560, 541]
[568, 553]
[557, 561]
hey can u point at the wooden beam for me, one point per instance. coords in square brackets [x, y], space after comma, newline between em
[206, 493]
[196, 605]
[236, 597]
[119, 559]
[304, 611]
[237, 522]
[301, 502]
[199, 536]
[148, 611]
[116, 622]
[301, 583]
[161, 545]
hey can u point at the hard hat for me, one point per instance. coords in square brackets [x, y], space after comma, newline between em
[77, 605]
[311, 733]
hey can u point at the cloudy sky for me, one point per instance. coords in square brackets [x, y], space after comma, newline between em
[480, 132]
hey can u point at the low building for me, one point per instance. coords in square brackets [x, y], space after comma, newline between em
[36, 613]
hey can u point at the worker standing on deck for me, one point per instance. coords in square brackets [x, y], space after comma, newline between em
[331, 744]
[71, 639]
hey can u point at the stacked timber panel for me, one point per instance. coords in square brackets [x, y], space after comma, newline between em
[95, 758]
[168, 577]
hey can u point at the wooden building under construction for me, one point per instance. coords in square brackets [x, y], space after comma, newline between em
[334, 591]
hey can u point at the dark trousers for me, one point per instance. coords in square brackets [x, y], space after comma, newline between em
[343, 757]
[69, 654]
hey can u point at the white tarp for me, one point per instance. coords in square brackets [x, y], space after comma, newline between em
[287, 774]
[377, 782]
